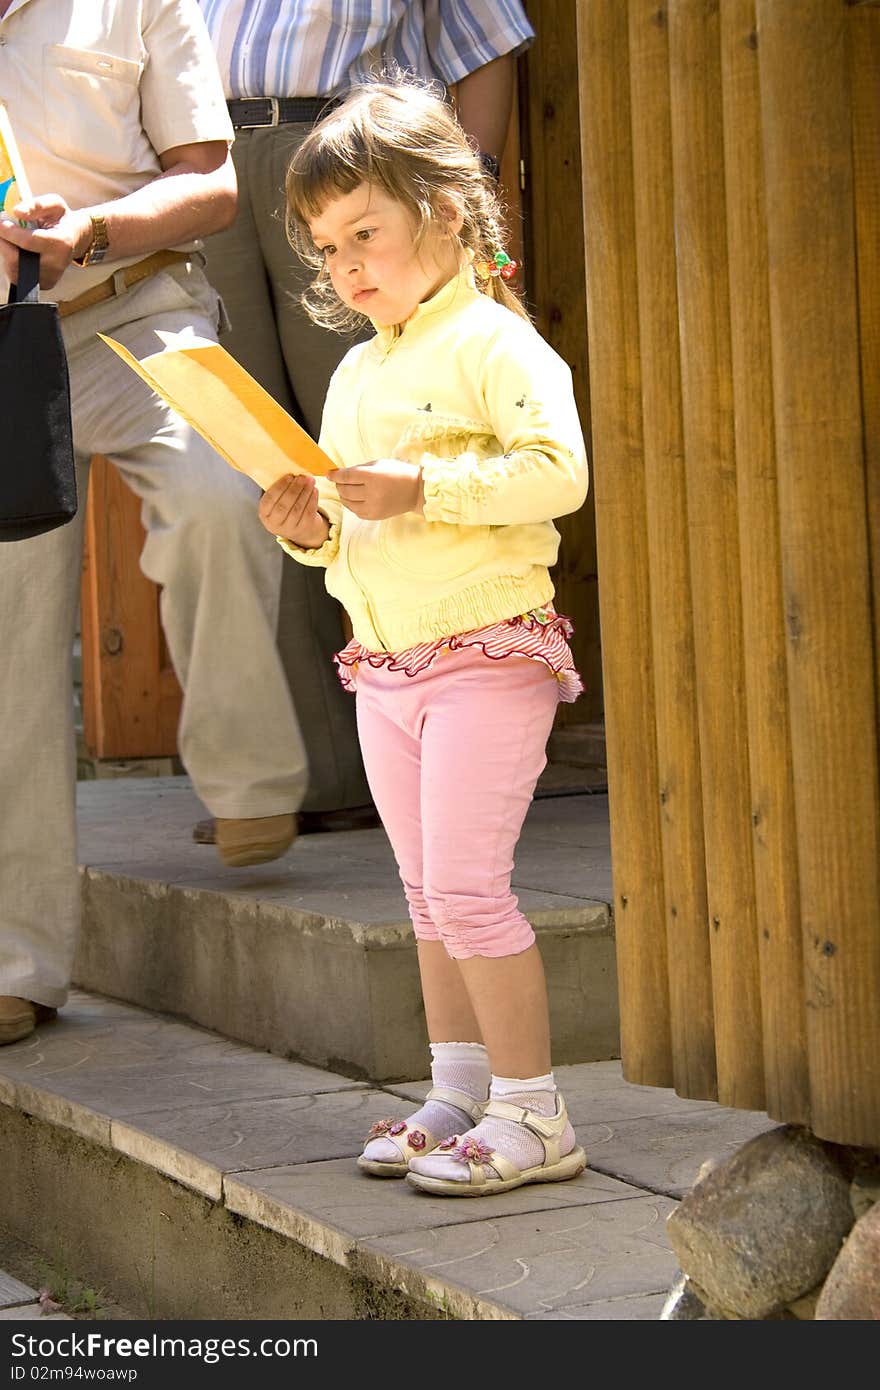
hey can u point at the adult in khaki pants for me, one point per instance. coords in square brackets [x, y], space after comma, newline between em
[281, 66]
[124, 134]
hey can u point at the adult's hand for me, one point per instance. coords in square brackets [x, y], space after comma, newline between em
[54, 231]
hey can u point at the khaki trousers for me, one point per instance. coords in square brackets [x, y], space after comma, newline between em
[219, 571]
[260, 279]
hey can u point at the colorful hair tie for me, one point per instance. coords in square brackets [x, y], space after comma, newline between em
[500, 264]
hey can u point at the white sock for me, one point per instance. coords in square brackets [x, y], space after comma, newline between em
[513, 1141]
[457, 1066]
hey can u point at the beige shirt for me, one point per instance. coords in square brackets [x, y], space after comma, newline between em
[97, 91]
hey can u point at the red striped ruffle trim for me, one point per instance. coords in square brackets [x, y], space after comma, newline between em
[541, 635]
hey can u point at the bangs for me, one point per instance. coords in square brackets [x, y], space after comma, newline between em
[322, 170]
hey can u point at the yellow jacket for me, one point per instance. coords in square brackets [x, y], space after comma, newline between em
[470, 391]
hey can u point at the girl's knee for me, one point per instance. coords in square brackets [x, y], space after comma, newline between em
[420, 916]
[480, 926]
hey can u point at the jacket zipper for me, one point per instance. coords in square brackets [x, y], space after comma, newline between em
[367, 604]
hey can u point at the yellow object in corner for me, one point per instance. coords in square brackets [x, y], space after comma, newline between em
[14, 187]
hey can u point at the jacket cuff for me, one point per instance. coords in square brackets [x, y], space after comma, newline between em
[446, 496]
[321, 555]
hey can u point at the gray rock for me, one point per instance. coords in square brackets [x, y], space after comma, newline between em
[763, 1228]
[852, 1289]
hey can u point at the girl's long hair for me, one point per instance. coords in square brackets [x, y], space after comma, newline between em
[401, 135]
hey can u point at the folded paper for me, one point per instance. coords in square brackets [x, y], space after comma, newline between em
[14, 186]
[227, 407]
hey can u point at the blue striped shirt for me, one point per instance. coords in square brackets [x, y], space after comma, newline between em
[311, 48]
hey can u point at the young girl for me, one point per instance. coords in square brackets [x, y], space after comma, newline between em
[456, 438]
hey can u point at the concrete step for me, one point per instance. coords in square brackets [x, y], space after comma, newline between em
[313, 956]
[198, 1178]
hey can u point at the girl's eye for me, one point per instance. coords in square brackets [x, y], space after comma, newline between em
[326, 251]
[365, 233]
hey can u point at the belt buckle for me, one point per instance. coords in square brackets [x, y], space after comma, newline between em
[274, 112]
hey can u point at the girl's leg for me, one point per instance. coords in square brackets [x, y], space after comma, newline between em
[509, 998]
[483, 748]
[448, 1009]
[392, 759]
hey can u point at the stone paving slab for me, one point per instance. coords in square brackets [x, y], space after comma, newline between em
[330, 1206]
[666, 1152]
[546, 1261]
[19, 1301]
[645, 1308]
[128, 1055]
[101, 1061]
[199, 1145]
[32, 1310]
[13, 1292]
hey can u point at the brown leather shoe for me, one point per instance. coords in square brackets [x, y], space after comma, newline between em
[204, 832]
[19, 1017]
[255, 840]
[309, 823]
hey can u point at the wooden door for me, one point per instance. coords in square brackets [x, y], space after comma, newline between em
[130, 695]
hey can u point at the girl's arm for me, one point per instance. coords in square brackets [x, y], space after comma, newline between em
[541, 471]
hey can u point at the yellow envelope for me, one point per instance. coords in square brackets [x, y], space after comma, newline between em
[218, 398]
[14, 186]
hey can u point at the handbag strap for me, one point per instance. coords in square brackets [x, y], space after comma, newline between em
[27, 290]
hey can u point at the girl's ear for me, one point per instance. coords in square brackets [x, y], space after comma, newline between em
[450, 213]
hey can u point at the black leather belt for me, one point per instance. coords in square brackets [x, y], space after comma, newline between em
[246, 112]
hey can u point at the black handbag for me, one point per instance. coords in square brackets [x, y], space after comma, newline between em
[37, 467]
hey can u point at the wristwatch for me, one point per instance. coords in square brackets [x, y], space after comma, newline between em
[98, 246]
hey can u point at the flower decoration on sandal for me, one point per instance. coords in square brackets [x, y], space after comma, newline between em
[500, 264]
[417, 1140]
[449, 1143]
[379, 1129]
[474, 1151]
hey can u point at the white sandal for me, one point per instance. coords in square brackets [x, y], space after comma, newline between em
[475, 1153]
[412, 1140]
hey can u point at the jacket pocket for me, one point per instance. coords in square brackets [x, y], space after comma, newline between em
[432, 549]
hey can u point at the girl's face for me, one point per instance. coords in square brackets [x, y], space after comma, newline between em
[367, 239]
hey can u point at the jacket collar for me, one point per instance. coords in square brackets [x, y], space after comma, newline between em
[461, 287]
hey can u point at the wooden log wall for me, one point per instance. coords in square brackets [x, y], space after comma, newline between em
[731, 162]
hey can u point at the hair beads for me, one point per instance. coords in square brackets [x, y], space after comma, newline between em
[500, 264]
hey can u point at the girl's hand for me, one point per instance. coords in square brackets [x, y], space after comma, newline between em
[52, 230]
[290, 509]
[383, 488]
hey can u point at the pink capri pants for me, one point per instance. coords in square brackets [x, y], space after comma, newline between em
[452, 756]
